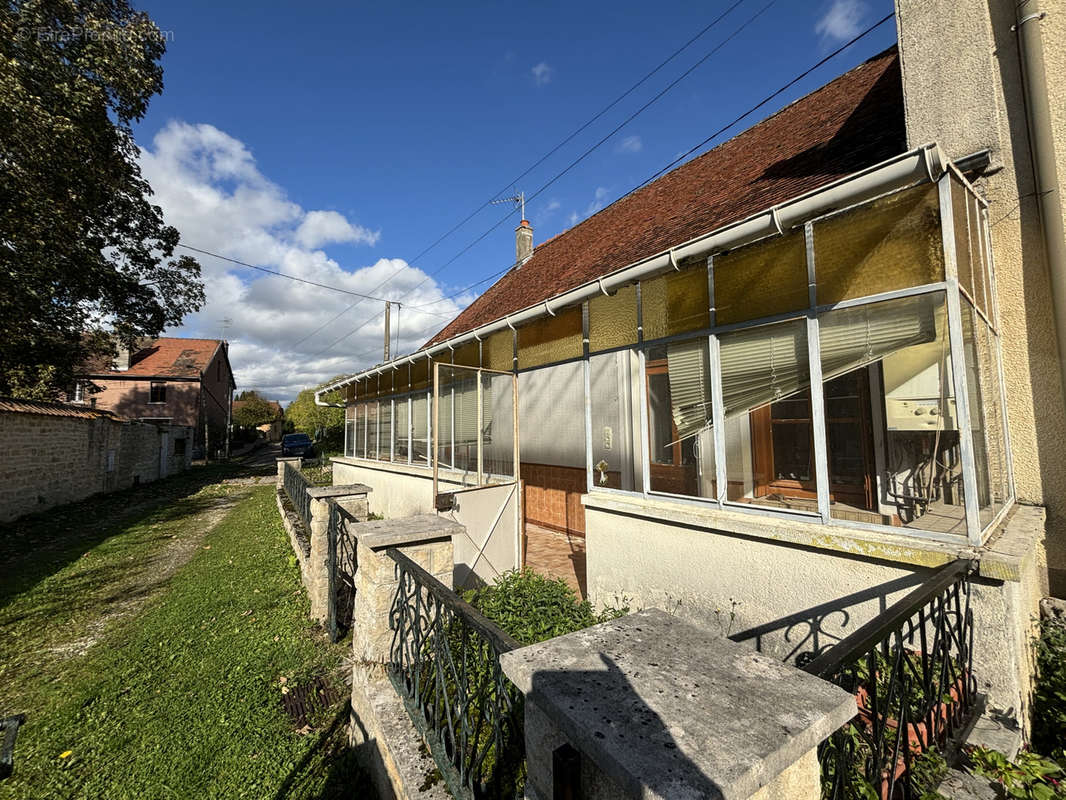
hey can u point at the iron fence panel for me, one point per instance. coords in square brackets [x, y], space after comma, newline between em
[445, 665]
[911, 670]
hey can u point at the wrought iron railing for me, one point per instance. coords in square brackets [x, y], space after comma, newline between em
[445, 665]
[296, 486]
[341, 566]
[911, 669]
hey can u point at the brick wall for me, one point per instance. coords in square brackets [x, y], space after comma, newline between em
[50, 459]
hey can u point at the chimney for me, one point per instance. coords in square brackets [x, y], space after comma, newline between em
[523, 242]
[125, 351]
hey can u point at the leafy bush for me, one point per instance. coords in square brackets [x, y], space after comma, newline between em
[1028, 777]
[532, 607]
[1049, 699]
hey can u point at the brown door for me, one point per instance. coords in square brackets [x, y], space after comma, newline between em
[673, 463]
[783, 444]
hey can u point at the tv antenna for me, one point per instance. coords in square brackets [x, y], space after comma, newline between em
[226, 323]
[519, 200]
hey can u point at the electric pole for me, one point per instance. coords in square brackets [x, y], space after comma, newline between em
[388, 338]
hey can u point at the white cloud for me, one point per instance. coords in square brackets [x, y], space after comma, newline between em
[599, 200]
[212, 191]
[842, 21]
[542, 74]
[630, 144]
[327, 227]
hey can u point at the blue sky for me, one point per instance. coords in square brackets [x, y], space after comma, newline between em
[338, 141]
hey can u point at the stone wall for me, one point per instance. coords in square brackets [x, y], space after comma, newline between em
[55, 454]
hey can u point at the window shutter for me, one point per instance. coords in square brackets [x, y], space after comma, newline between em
[690, 387]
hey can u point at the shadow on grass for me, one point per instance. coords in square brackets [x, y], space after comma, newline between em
[332, 753]
[39, 545]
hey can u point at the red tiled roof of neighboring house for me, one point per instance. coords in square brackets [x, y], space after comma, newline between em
[52, 409]
[848, 124]
[169, 357]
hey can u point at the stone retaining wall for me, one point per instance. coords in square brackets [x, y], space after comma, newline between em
[310, 543]
[56, 453]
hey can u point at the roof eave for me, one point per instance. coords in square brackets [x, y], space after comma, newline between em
[921, 164]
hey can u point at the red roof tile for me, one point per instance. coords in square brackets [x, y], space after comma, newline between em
[52, 409]
[848, 124]
[170, 357]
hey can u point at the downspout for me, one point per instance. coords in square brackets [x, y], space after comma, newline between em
[1042, 146]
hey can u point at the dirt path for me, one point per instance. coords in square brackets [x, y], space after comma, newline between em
[129, 593]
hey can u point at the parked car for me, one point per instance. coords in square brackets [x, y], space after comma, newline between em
[297, 444]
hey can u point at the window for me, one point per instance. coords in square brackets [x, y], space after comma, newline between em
[680, 439]
[765, 377]
[179, 448]
[157, 392]
[615, 412]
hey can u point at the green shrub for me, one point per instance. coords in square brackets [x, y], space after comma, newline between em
[532, 607]
[1049, 699]
[1029, 777]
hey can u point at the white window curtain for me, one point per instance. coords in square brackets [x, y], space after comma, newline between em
[690, 385]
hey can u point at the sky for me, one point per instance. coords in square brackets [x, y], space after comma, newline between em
[339, 142]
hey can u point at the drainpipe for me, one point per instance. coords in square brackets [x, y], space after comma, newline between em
[1042, 146]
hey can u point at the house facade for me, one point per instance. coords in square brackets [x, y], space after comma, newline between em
[784, 381]
[178, 381]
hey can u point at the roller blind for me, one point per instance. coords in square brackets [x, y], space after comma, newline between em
[763, 364]
[854, 337]
[690, 386]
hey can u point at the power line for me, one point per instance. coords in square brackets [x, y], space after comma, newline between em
[528, 170]
[763, 102]
[282, 274]
[743, 116]
[580, 129]
[583, 156]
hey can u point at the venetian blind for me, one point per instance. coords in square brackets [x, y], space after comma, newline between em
[690, 386]
[763, 364]
[854, 337]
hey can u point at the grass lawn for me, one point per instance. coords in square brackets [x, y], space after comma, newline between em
[150, 653]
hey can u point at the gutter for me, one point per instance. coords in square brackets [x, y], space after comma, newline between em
[1042, 146]
[916, 166]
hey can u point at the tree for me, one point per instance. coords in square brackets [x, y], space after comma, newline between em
[81, 246]
[254, 411]
[319, 421]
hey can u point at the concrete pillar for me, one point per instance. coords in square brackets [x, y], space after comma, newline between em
[318, 561]
[426, 540]
[657, 707]
[295, 462]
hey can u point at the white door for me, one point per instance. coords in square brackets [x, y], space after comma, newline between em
[164, 453]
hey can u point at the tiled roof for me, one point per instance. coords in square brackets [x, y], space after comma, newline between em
[51, 409]
[170, 357]
[848, 124]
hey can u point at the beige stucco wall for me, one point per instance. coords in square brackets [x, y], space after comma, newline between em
[963, 89]
[790, 587]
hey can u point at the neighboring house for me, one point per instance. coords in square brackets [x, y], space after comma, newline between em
[180, 381]
[785, 379]
[273, 430]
